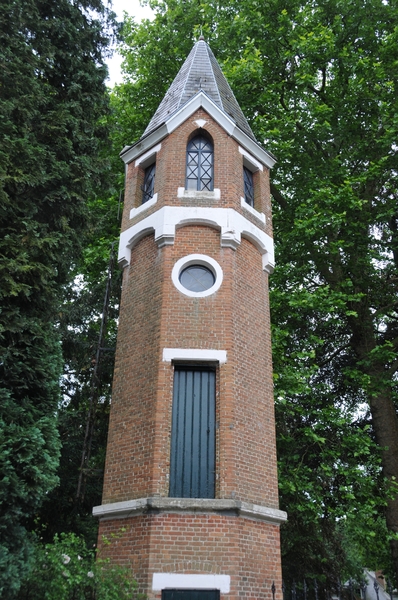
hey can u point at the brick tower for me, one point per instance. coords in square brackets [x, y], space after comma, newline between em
[190, 498]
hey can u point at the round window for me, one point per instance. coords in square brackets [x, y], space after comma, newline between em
[197, 275]
[197, 278]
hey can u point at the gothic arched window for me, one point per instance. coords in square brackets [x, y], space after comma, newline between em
[200, 164]
[149, 183]
[248, 186]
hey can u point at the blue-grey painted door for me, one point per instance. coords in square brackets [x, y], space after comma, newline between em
[190, 595]
[192, 464]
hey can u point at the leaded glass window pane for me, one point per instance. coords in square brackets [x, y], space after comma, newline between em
[248, 186]
[197, 278]
[149, 183]
[200, 164]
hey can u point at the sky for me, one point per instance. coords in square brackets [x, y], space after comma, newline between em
[133, 8]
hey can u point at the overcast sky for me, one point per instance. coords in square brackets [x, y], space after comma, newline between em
[133, 8]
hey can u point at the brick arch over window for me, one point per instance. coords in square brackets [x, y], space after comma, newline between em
[200, 163]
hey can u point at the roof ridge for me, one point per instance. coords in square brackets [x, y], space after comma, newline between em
[189, 72]
[214, 75]
[230, 89]
[200, 71]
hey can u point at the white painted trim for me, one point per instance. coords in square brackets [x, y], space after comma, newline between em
[199, 194]
[252, 210]
[200, 100]
[148, 154]
[266, 158]
[197, 259]
[134, 508]
[162, 581]
[200, 123]
[202, 355]
[121, 510]
[130, 153]
[143, 207]
[255, 165]
[163, 224]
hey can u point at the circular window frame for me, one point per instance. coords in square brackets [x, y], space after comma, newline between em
[200, 260]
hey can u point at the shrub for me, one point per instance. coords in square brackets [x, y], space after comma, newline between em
[67, 570]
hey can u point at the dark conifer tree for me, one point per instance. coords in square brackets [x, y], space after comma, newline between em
[52, 98]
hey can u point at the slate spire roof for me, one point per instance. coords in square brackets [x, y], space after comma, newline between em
[200, 72]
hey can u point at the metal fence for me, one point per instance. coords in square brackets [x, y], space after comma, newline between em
[314, 589]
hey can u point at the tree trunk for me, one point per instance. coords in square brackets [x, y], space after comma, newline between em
[384, 417]
[385, 425]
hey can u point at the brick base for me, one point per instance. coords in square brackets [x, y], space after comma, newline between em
[246, 550]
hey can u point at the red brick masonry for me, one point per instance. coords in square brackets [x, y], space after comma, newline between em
[245, 549]
[154, 315]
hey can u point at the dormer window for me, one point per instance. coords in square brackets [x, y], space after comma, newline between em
[149, 183]
[248, 186]
[200, 164]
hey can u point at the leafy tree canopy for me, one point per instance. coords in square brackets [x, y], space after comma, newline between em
[52, 105]
[317, 82]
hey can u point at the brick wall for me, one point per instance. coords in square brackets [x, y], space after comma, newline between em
[128, 472]
[170, 175]
[246, 550]
[154, 315]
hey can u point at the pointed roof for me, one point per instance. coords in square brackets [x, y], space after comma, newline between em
[200, 72]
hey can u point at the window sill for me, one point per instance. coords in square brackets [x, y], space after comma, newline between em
[194, 194]
[253, 211]
[140, 209]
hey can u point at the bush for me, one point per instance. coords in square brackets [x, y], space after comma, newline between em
[67, 570]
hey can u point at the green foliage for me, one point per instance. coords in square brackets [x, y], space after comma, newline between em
[52, 98]
[85, 385]
[317, 82]
[66, 570]
[79, 328]
[29, 443]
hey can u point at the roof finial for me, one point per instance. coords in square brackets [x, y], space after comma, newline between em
[201, 37]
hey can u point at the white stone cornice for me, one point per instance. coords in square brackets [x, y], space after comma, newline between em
[163, 224]
[202, 100]
[132, 508]
[130, 153]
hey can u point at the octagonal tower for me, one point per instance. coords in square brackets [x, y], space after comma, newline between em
[190, 499]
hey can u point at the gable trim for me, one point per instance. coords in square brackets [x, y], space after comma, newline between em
[200, 100]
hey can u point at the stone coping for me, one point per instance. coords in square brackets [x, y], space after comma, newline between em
[132, 508]
[164, 222]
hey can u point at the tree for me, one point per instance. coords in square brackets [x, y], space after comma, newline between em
[317, 83]
[52, 98]
[337, 216]
[87, 326]
[66, 570]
